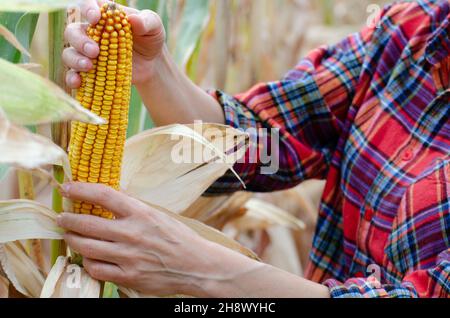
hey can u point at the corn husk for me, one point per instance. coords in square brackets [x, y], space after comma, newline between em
[217, 211]
[19, 147]
[20, 269]
[29, 99]
[24, 220]
[67, 280]
[261, 215]
[4, 287]
[150, 174]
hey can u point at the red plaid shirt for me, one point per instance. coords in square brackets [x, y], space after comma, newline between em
[371, 115]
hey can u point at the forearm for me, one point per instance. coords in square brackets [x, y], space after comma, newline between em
[232, 275]
[171, 97]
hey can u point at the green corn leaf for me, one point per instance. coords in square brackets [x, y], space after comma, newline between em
[24, 31]
[148, 122]
[28, 99]
[136, 112]
[3, 170]
[148, 4]
[195, 19]
[139, 118]
[23, 26]
[110, 291]
[36, 6]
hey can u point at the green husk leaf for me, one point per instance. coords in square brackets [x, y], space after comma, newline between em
[3, 170]
[36, 5]
[28, 99]
[195, 18]
[11, 38]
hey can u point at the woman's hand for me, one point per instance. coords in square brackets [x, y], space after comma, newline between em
[142, 249]
[152, 253]
[149, 37]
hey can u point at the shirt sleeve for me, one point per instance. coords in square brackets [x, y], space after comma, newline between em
[431, 283]
[307, 109]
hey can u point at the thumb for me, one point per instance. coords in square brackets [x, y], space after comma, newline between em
[146, 23]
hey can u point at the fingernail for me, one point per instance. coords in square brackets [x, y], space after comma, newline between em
[83, 63]
[90, 49]
[65, 188]
[72, 80]
[58, 219]
[149, 21]
[91, 15]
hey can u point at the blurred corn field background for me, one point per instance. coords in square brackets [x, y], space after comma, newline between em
[225, 44]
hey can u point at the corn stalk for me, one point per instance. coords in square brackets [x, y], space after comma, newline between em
[57, 23]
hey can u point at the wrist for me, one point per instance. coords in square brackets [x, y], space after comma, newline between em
[222, 271]
[152, 71]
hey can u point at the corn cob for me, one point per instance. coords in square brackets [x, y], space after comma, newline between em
[96, 152]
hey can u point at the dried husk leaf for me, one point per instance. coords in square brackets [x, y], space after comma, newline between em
[29, 99]
[261, 215]
[30, 66]
[24, 219]
[20, 269]
[19, 147]
[150, 173]
[11, 38]
[67, 280]
[217, 211]
[282, 252]
[4, 287]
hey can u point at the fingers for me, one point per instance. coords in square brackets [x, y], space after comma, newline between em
[94, 249]
[92, 226]
[103, 271]
[118, 203]
[73, 79]
[77, 37]
[76, 61]
[90, 9]
[145, 23]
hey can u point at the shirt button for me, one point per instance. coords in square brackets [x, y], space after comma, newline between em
[408, 154]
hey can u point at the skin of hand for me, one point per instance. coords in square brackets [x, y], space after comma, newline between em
[150, 252]
[170, 96]
[142, 248]
[148, 37]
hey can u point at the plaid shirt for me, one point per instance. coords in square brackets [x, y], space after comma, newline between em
[371, 115]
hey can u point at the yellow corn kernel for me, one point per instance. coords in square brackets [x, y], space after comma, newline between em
[96, 152]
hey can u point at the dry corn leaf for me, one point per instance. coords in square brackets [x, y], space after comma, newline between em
[171, 173]
[4, 287]
[24, 219]
[11, 38]
[282, 252]
[217, 211]
[20, 269]
[262, 214]
[67, 280]
[19, 147]
[30, 66]
[29, 99]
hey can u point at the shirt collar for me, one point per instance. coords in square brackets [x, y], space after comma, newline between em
[438, 46]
